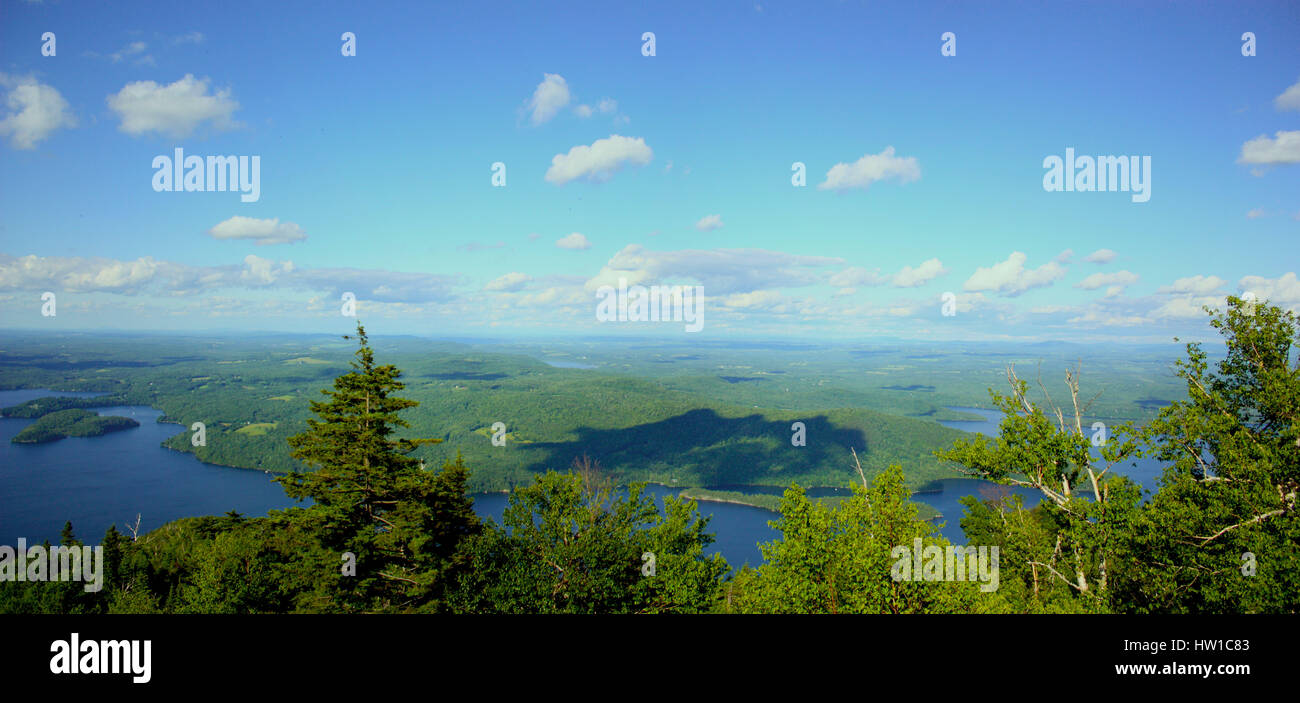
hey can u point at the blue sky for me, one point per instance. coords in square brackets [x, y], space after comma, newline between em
[383, 160]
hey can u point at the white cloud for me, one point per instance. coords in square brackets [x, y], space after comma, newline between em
[1101, 256]
[599, 161]
[190, 38]
[1283, 291]
[1284, 149]
[1186, 307]
[768, 300]
[261, 272]
[605, 106]
[1011, 278]
[510, 282]
[174, 110]
[1195, 285]
[1254, 214]
[34, 111]
[268, 231]
[1289, 99]
[146, 275]
[927, 271]
[1116, 281]
[1109, 319]
[708, 223]
[1064, 257]
[573, 241]
[720, 271]
[855, 276]
[869, 169]
[551, 95]
[907, 277]
[132, 49]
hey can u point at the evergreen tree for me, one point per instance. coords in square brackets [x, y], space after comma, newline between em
[373, 500]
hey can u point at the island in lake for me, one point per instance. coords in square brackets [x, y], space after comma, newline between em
[73, 422]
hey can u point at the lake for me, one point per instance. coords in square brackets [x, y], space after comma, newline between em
[108, 480]
[100, 481]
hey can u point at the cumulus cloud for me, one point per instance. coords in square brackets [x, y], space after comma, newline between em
[1064, 257]
[147, 275]
[1284, 148]
[34, 110]
[1101, 256]
[708, 223]
[721, 271]
[1187, 298]
[173, 110]
[1186, 307]
[261, 272]
[1115, 283]
[1109, 318]
[869, 169]
[84, 275]
[1253, 214]
[551, 95]
[268, 231]
[1195, 285]
[599, 161]
[510, 282]
[1283, 291]
[855, 276]
[927, 271]
[1011, 278]
[1289, 99]
[577, 240]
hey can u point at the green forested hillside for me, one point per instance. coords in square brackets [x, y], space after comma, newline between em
[709, 414]
[639, 429]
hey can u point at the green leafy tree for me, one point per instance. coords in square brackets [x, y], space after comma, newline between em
[1223, 534]
[840, 559]
[570, 544]
[1085, 510]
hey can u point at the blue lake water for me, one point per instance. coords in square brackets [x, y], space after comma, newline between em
[100, 481]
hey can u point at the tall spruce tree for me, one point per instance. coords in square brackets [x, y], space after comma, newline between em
[400, 523]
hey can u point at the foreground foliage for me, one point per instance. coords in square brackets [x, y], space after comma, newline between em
[383, 533]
